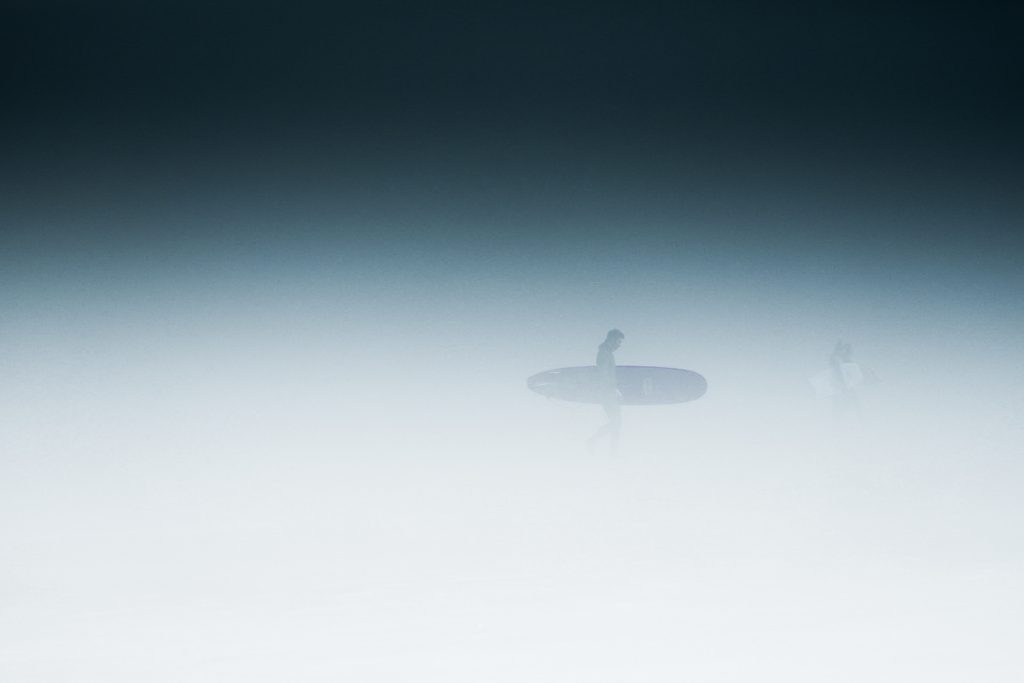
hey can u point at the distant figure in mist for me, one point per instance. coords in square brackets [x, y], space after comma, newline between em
[611, 398]
[845, 375]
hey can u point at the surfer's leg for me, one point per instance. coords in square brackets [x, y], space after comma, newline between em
[613, 427]
[603, 431]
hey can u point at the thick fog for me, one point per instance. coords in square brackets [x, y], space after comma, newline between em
[273, 278]
[298, 463]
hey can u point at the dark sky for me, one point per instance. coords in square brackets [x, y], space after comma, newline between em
[825, 124]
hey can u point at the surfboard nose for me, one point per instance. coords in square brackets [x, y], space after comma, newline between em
[701, 385]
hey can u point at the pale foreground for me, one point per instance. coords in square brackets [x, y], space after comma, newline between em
[753, 557]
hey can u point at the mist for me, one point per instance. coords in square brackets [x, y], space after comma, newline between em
[327, 464]
[272, 283]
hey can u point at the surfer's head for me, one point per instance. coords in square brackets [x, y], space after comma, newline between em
[614, 338]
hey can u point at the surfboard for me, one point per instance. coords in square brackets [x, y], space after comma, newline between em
[640, 385]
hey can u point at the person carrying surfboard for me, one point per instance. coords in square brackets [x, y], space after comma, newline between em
[845, 376]
[611, 397]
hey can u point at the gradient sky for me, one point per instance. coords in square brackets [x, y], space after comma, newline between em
[808, 129]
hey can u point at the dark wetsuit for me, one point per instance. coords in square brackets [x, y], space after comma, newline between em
[610, 397]
[606, 372]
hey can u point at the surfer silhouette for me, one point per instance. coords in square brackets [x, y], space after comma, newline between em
[845, 376]
[611, 397]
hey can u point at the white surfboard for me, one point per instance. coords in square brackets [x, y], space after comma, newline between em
[824, 384]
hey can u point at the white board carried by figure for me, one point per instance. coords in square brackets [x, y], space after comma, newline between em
[824, 383]
[639, 385]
